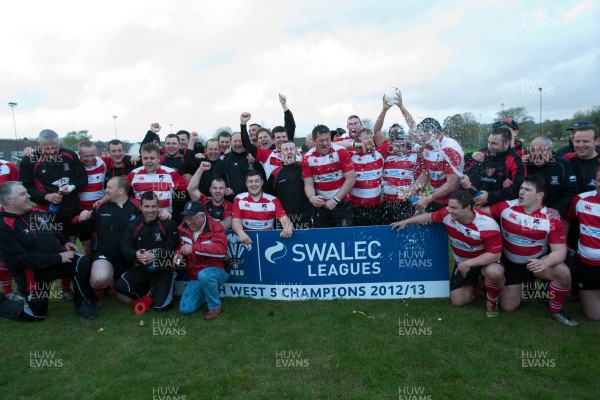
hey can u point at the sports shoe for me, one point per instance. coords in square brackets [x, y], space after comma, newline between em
[214, 313]
[67, 294]
[95, 303]
[561, 317]
[86, 310]
[491, 308]
[15, 296]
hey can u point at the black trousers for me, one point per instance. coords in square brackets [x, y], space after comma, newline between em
[38, 292]
[140, 281]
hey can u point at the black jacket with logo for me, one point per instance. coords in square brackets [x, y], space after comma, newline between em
[562, 180]
[30, 241]
[46, 174]
[493, 171]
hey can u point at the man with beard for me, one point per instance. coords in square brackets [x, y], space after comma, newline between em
[149, 243]
[500, 163]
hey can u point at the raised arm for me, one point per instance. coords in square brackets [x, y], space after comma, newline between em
[193, 187]
[288, 118]
[251, 148]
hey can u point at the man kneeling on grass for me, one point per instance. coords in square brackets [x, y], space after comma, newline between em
[149, 243]
[476, 244]
[203, 244]
[36, 253]
[534, 246]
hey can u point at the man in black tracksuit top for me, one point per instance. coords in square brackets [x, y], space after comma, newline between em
[36, 253]
[233, 167]
[557, 173]
[149, 244]
[184, 164]
[501, 162]
[288, 187]
[49, 169]
[108, 221]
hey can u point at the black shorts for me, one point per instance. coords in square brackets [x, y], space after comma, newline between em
[457, 280]
[340, 216]
[587, 277]
[120, 266]
[367, 216]
[516, 273]
[138, 281]
[393, 212]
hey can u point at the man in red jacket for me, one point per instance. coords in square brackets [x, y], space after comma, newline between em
[203, 245]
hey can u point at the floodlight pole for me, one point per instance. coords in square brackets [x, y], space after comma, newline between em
[115, 119]
[12, 105]
[540, 89]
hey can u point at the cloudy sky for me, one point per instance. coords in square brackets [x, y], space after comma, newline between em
[73, 65]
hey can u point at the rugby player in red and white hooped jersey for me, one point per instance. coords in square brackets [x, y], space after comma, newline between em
[401, 168]
[476, 244]
[443, 163]
[8, 172]
[255, 210]
[95, 169]
[366, 192]
[328, 173]
[534, 246]
[401, 165]
[354, 124]
[586, 208]
[151, 176]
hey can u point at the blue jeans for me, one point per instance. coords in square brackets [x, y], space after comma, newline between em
[204, 289]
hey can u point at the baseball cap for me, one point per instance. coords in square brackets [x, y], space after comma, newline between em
[192, 208]
[578, 124]
[506, 122]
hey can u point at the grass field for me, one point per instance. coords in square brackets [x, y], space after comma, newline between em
[341, 349]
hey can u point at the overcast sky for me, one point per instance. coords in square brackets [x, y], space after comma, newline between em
[73, 65]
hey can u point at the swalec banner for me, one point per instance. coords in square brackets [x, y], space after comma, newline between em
[371, 262]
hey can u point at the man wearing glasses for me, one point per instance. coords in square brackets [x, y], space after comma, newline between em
[203, 245]
[557, 172]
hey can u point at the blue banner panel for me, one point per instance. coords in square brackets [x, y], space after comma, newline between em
[371, 262]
